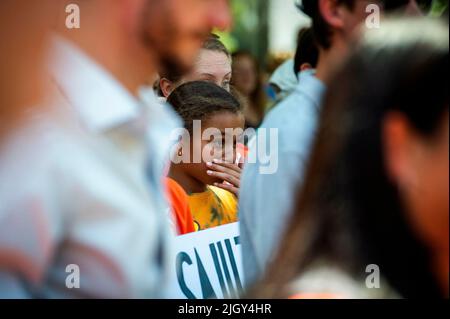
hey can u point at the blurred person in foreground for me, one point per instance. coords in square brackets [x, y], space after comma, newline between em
[22, 55]
[84, 194]
[22, 89]
[375, 201]
[267, 200]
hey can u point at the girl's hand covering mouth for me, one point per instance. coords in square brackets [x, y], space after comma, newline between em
[229, 173]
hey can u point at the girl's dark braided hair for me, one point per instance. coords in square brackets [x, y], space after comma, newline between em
[199, 100]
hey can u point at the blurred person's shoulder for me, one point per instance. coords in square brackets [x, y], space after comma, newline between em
[304, 100]
[296, 116]
[325, 281]
[44, 142]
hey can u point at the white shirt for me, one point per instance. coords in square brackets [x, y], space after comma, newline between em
[81, 184]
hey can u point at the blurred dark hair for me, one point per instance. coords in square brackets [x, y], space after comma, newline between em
[349, 212]
[322, 31]
[200, 100]
[212, 43]
[307, 51]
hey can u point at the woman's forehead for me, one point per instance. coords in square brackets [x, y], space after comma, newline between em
[209, 58]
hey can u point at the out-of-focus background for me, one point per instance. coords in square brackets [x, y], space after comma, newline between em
[268, 28]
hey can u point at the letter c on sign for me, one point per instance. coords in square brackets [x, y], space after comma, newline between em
[181, 259]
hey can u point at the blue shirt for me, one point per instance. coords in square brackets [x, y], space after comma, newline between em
[266, 201]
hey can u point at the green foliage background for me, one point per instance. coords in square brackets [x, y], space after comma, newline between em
[250, 30]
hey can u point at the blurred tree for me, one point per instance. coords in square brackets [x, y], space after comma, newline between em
[250, 30]
[438, 7]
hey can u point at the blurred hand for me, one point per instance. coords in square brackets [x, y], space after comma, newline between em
[229, 173]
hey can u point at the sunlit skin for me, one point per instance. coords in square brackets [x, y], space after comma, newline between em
[346, 23]
[211, 66]
[420, 167]
[24, 26]
[195, 177]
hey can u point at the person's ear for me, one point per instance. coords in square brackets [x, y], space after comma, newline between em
[401, 151]
[305, 66]
[166, 87]
[332, 13]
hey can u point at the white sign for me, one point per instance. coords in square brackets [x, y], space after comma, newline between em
[208, 264]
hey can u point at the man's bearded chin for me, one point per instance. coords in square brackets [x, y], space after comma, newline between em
[172, 65]
[166, 60]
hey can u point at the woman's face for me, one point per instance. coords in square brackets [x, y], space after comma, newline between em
[430, 198]
[220, 144]
[244, 75]
[211, 66]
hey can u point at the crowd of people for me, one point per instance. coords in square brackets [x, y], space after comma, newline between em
[139, 126]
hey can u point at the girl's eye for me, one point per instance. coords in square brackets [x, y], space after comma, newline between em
[226, 85]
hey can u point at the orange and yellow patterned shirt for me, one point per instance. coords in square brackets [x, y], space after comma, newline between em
[212, 208]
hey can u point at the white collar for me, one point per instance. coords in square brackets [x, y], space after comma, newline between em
[284, 77]
[100, 100]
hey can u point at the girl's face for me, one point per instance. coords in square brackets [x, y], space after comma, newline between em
[221, 145]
